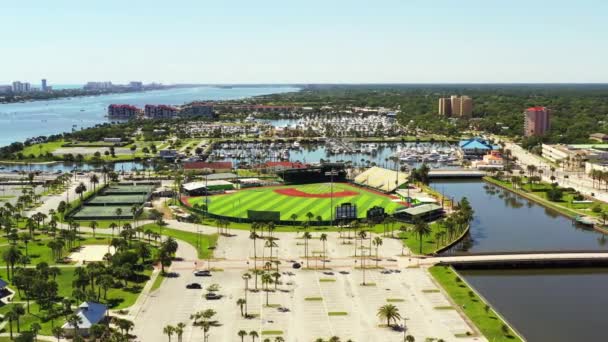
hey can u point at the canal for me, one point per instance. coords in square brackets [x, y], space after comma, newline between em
[543, 305]
[506, 222]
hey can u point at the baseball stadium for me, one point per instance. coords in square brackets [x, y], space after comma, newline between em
[298, 200]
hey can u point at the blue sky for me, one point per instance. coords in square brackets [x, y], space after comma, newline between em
[330, 41]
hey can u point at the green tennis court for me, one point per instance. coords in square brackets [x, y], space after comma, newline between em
[118, 199]
[103, 212]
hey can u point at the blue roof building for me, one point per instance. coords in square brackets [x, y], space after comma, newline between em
[475, 148]
[90, 313]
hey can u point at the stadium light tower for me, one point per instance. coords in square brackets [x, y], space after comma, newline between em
[331, 185]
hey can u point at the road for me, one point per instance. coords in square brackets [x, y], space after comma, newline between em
[576, 180]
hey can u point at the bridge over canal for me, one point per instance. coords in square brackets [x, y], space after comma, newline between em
[522, 260]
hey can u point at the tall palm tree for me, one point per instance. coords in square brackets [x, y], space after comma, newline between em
[306, 236]
[241, 302]
[266, 280]
[323, 239]
[377, 243]
[242, 334]
[169, 330]
[93, 226]
[246, 278]
[94, 180]
[389, 312]
[421, 229]
[254, 335]
[179, 330]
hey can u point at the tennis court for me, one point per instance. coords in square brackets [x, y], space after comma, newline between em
[96, 212]
[118, 199]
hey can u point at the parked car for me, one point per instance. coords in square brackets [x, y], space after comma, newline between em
[194, 286]
[296, 265]
[203, 273]
[212, 296]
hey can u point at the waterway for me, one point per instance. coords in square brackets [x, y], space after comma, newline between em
[506, 222]
[558, 305]
[19, 121]
[543, 305]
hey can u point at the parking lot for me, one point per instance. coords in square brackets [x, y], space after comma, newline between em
[307, 304]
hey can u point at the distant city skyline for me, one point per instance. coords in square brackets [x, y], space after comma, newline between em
[356, 41]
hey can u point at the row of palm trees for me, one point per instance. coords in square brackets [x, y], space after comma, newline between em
[178, 330]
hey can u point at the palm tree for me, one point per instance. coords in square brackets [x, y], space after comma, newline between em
[306, 236]
[246, 277]
[94, 180]
[93, 226]
[422, 229]
[389, 312]
[294, 217]
[18, 311]
[410, 338]
[323, 239]
[118, 213]
[377, 242]
[254, 335]
[309, 216]
[242, 334]
[266, 280]
[169, 330]
[11, 317]
[241, 302]
[113, 226]
[179, 330]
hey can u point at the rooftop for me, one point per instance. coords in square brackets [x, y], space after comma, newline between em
[90, 313]
[420, 209]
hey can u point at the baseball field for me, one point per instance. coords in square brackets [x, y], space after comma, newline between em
[297, 199]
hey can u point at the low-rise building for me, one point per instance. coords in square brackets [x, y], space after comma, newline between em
[198, 109]
[490, 161]
[122, 111]
[212, 166]
[160, 112]
[168, 154]
[601, 137]
[90, 313]
[206, 187]
[112, 140]
[475, 148]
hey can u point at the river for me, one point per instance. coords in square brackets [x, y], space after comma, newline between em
[543, 305]
[506, 222]
[19, 121]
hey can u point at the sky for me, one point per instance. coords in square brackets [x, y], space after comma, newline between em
[293, 41]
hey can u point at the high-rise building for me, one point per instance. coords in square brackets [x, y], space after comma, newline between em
[21, 87]
[456, 106]
[445, 107]
[455, 103]
[537, 121]
[466, 106]
[43, 86]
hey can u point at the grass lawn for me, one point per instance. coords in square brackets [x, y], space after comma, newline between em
[41, 149]
[268, 199]
[429, 242]
[38, 251]
[117, 298]
[188, 237]
[474, 307]
[538, 193]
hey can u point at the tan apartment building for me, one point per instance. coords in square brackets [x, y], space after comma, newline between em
[537, 121]
[458, 106]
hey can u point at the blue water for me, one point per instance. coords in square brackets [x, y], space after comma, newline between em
[19, 121]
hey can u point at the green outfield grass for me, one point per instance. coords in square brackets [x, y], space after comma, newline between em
[236, 204]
